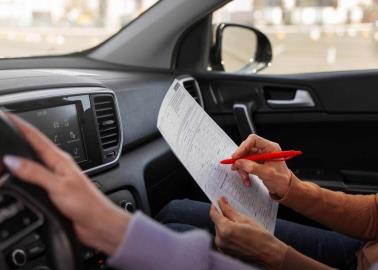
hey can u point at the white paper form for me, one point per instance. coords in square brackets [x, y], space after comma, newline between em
[200, 144]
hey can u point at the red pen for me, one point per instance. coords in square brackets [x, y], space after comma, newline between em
[273, 156]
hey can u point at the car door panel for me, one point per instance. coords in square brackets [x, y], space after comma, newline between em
[338, 133]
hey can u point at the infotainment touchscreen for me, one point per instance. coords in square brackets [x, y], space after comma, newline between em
[61, 125]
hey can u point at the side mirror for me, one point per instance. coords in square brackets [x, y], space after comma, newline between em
[240, 48]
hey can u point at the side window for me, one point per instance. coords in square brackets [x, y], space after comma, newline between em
[306, 35]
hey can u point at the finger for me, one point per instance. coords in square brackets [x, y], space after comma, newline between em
[242, 150]
[227, 210]
[245, 178]
[216, 217]
[255, 150]
[257, 142]
[251, 152]
[252, 167]
[50, 154]
[30, 171]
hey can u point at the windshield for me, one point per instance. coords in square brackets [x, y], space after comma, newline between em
[50, 27]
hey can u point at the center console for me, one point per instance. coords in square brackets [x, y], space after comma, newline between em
[84, 122]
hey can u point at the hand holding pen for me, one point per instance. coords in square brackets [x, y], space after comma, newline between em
[248, 159]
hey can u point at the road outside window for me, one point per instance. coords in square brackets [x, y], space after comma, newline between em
[50, 27]
[310, 35]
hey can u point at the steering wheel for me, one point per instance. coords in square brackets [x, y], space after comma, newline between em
[33, 234]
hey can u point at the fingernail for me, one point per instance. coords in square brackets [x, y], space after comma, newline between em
[13, 163]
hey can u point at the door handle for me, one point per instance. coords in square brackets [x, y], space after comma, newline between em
[301, 99]
[243, 117]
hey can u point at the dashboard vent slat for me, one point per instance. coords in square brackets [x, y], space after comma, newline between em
[99, 116]
[106, 121]
[104, 109]
[192, 87]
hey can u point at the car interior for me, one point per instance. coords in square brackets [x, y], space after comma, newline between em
[101, 106]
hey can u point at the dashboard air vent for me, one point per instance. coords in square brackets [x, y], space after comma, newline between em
[107, 121]
[192, 87]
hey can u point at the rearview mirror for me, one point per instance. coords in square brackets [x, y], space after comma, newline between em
[240, 48]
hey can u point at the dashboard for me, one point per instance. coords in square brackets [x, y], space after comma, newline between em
[106, 120]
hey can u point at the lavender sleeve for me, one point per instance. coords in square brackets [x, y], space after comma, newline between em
[147, 245]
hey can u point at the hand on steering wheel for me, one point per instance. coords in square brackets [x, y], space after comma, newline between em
[97, 222]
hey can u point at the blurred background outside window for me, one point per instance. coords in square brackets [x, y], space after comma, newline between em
[47, 27]
[311, 35]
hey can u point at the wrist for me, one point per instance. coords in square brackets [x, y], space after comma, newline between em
[283, 188]
[274, 253]
[116, 230]
[107, 233]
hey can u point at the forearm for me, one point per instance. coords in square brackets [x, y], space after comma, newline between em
[355, 215]
[296, 260]
[105, 236]
[149, 245]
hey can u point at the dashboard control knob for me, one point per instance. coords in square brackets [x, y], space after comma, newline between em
[128, 206]
[19, 257]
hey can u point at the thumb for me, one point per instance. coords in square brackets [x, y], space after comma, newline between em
[252, 167]
[227, 210]
[30, 171]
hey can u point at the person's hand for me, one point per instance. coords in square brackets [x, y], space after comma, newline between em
[275, 174]
[241, 237]
[98, 223]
